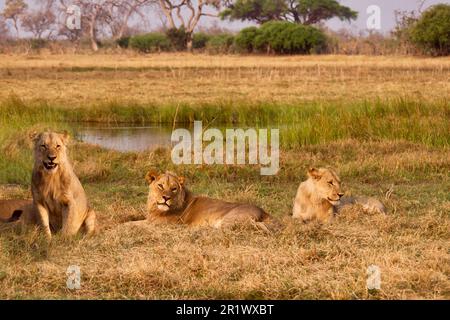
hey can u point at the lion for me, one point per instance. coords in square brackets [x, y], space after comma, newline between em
[59, 200]
[169, 201]
[11, 210]
[320, 197]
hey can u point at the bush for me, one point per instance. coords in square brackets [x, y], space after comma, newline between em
[123, 42]
[432, 31]
[244, 41]
[289, 38]
[178, 38]
[220, 43]
[150, 42]
[304, 39]
[281, 37]
[199, 40]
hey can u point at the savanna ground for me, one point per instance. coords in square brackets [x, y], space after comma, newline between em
[382, 122]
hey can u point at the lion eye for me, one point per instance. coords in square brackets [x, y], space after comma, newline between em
[43, 146]
[330, 183]
[58, 146]
[174, 190]
[160, 186]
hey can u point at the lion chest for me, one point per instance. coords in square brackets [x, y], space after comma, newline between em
[55, 201]
[54, 195]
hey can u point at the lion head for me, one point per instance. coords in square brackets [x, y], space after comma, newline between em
[167, 191]
[327, 184]
[50, 150]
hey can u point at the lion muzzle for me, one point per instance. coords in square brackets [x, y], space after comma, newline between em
[164, 203]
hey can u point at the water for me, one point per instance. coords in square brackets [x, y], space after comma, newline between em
[126, 138]
[131, 138]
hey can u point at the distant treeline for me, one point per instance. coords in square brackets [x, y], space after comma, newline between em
[425, 33]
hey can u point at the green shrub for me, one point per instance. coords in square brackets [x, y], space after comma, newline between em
[304, 39]
[123, 42]
[220, 43]
[178, 38]
[199, 40]
[244, 40]
[283, 37]
[432, 31]
[150, 42]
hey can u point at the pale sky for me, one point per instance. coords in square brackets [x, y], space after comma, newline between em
[387, 8]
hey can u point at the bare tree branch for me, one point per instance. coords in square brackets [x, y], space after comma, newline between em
[188, 12]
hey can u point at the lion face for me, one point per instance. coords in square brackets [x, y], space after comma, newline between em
[50, 150]
[166, 191]
[327, 184]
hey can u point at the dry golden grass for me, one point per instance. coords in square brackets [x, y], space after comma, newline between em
[84, 80]
[185, 60]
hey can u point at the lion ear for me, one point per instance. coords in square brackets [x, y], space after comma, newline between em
[314, 173]
[34, 136]
[65, 136]
[151, 176]
[181, 180]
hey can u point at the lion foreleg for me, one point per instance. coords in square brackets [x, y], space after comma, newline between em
[89, 222]
[325, 215]
[43, 220]
[70, 223]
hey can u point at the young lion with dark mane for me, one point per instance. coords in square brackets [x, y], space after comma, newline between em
[170, 202]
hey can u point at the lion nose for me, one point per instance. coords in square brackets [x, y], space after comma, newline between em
[166, 198]
[340, 195]
[52, 158]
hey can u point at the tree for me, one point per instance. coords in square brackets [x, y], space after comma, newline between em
[299, 11]
[120, 12]
[4, 32]
[14, 10]
[432, 31]
[93, 13]
[101, 14]
[40, 22]
[185, 14]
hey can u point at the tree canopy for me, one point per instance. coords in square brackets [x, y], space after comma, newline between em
[299, 11]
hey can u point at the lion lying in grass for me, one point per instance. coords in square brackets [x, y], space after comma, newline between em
[59, 200]
[170, 202]
[319, 197]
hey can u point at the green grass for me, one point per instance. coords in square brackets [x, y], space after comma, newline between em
[300, 124]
